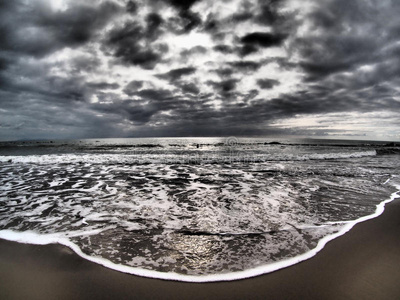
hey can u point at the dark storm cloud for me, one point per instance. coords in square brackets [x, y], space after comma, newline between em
[253, 41]
[267, 83]
[247, 49]
[224, 72]
[224, 87]
[135, 111]
[5, 62]
[30, 31]
[154, 22]
[268, 12]
[133, 86]
[196, 117]
[245, 66]
[151, 103]
[149, 106]
[263, 39]
[242, 17]
[176, 74]
[223, 49]
[124, 43]
[102, 85]
[352, 37]
[316, 71]
[211, 24]
[309, 102]
[191, 20]
[240, 67]
[182, 4]
[186, 87]
[190, 88]
[54, 89]
[346, 58]
[339, 54]
[131, 7]
[352, 65]
[155, 94]
[65, 89]
[32, 28]
[184, 22]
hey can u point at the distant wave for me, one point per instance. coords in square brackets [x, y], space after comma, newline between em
[168, 158]
[388, 150]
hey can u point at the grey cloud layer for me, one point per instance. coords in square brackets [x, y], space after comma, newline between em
[345, 54]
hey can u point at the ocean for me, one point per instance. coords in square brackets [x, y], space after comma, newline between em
[193, 209]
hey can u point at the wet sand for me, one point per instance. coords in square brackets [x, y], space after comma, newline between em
[362, 264]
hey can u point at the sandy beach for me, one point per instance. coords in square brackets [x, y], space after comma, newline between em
[362, 264]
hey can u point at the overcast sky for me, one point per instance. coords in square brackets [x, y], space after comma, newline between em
[118, 68]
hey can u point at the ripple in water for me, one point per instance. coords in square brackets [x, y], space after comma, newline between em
[192, 219]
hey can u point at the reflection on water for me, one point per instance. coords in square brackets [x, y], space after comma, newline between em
[193, 218]
[194, 252]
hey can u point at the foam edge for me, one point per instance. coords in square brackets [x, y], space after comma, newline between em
[29, 237]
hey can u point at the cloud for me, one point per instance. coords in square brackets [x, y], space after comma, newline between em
[245, 66]
[186, 22]
[267, 83]
[133, 87]
[349, 38]
[223, 49]
[253, 42]
[269, 12]
[263, 39]
[225, 86]
[154, 22]
[182, 4]
[134, 111]
[169, 67]
[124, 43]
[32, 28]
[156, 95]
[189, 53]
[224, 72]
[131, 7]
[190, 88]
[103, 85]
[176, 74]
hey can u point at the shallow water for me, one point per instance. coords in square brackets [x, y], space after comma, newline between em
[192, 206]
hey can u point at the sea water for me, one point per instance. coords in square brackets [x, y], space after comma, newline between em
[192, 209]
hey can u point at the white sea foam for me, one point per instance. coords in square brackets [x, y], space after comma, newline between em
[141, 213]
[178, 158]
[44, 239]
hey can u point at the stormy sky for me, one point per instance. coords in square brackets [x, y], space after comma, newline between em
[132, 68]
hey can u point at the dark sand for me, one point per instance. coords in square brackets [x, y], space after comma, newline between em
[362, 264]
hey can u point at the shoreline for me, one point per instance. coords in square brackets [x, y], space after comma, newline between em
[361, 264]
[38, 239]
